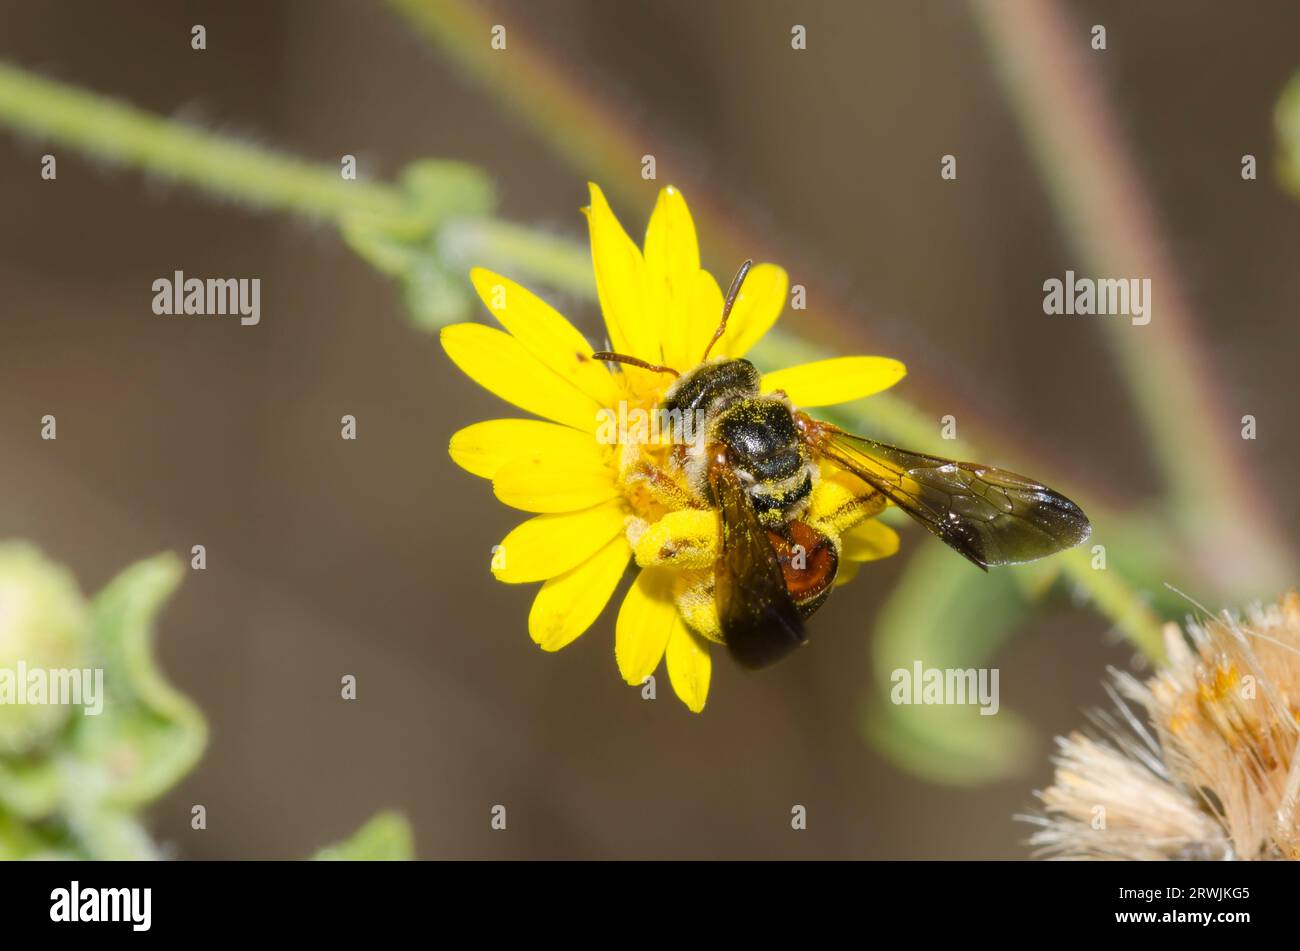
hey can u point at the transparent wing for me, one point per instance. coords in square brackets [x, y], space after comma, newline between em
[991, 516]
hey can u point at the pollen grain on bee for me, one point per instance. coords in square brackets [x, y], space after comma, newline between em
[623, 425]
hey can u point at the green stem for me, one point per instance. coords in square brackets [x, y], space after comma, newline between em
[1044, 63]
[104, 128]
[1113, 598]
[507, 247]
[108, 129]
[1286, 123]
[602, 142]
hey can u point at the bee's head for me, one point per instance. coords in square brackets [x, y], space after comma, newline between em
[710, 384]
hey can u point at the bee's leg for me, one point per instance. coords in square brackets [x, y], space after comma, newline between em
[841, 502]
[693, 590]
[685, 539]
[654, 492]
[847, 518]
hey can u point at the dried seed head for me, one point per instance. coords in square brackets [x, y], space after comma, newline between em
[1214, 773]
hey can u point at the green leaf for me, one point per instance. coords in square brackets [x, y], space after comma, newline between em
[952, 746]
[946, 613]
[434, 297]
[108, 834]
[407, 244]
[386, 837]
[149, 735]
[78, 791]
[442, 190]
[18, 840]
[44, 623]
[29, 786]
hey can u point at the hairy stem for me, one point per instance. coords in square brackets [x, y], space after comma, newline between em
[108, 129]
[104, 128]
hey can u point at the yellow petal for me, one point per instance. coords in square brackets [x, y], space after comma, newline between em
[502, 365]
[672, 259]
[848, 570]
[568, 604]
[690, 668]
[868, 541]
[703, 318]
[550, 545]
[761, 299]
[644, 624]
[547, 481]
[620, 282]
[484, 448]
[545, 334]
[837, 380]
[671, 247]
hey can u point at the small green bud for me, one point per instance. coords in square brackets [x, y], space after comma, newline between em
[44, 626]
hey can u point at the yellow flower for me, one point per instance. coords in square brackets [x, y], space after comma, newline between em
[601, 502]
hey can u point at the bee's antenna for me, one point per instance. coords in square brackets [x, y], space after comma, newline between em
[608, 357]
[726, 307]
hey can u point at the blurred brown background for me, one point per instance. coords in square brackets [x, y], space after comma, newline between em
[327, 557]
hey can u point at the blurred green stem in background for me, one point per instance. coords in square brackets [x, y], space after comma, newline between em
[1235, 553]
[1286, 121]
[1049, 74]
[426, 229]
[116, 132]
[1226, 545]
[1094, 189]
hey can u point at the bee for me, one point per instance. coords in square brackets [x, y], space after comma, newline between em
[755, 461]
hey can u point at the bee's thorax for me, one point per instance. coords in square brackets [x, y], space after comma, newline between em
[755, 434]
